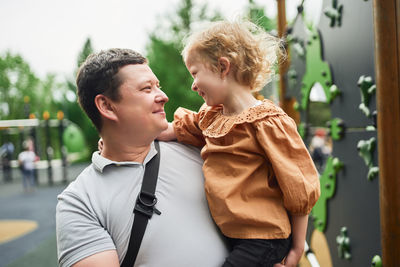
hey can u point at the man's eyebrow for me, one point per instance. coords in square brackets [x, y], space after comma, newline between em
[149, 81]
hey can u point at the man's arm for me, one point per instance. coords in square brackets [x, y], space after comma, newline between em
[299, 231]
[107, 258]
[80, 235]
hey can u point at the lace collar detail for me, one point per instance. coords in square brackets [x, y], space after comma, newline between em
[216, 124]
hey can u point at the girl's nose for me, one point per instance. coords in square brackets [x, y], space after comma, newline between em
[194, 86]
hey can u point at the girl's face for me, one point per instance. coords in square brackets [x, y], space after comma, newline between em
[207, 83]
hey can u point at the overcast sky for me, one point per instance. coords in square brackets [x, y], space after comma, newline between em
[50, 33]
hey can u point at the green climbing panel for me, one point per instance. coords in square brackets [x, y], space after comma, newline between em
[317, 70]
[328, 187]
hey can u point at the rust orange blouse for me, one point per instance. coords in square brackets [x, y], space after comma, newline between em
[256, 168]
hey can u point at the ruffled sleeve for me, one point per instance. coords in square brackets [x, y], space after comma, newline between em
[186, 126]
[293, 167]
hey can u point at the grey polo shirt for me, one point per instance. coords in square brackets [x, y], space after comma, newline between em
[94, 213]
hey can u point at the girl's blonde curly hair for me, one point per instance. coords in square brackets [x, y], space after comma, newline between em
[251, 51]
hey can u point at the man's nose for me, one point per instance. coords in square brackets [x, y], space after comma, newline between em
[161, 97]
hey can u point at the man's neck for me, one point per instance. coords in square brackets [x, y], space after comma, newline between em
[117, 150]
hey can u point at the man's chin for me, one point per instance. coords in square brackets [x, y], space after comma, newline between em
[165, 126]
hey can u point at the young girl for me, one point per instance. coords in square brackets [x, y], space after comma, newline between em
[260, 180]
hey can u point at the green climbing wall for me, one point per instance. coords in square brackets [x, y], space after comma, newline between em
[338, 53]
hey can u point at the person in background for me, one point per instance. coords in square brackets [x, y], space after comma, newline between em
[319, 148]
[6, 153]
[260, 180]
[26, 160]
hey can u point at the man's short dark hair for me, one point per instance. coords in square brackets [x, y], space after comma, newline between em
[98, 75]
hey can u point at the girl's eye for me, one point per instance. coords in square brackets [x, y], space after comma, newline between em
[146, 88]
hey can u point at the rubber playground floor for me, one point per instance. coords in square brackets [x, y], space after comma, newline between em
[27, 220]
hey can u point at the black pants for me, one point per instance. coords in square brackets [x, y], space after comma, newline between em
[257, 252]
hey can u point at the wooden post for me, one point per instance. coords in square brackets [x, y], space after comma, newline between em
[387, 68]
[282, 64]
[285, 103]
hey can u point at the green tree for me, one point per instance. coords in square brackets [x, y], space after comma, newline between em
[257, 15]
[72, 109]
[16, 82]
[164, 54]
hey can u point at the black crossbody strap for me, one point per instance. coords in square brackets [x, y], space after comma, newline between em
[144, 208]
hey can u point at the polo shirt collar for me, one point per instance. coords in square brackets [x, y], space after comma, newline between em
[100, 162]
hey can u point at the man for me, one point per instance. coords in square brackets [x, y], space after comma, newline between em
[122, 97]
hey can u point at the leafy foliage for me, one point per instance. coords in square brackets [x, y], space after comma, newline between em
[72, 108]
[16, 81]
[257, 15]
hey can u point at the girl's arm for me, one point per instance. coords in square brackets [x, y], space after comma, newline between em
[299, 230]
[168, 134]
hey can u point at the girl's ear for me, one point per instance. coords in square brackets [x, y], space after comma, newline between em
[224, 66]
[105, 107]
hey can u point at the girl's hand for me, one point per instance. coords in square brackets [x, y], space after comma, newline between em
[292, 259]
[168, 134]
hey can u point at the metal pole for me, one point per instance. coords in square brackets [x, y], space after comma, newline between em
[60, 117]
[49, 149]
[387, 68]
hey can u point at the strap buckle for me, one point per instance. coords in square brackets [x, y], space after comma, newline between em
[145, 203]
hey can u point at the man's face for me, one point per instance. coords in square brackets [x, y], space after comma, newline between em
[140, 110]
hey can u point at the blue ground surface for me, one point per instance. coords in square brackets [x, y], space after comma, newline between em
[37, 248]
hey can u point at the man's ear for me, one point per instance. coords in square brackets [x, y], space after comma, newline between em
[105, 107]
[224, 66]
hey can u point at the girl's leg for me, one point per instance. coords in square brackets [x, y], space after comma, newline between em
[257, 252]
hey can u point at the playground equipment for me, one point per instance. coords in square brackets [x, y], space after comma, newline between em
[351, 224]
[71, 143]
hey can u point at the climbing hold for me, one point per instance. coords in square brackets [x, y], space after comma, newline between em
[337, 165]
[376, 261]
[372, 173]
[336, 128]
[368, 88]
[334, 13]
[366, 150]
[343, 243]
[334, 92]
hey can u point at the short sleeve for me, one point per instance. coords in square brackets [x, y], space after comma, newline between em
[79, 233]
[291, 162]
[186, 127]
